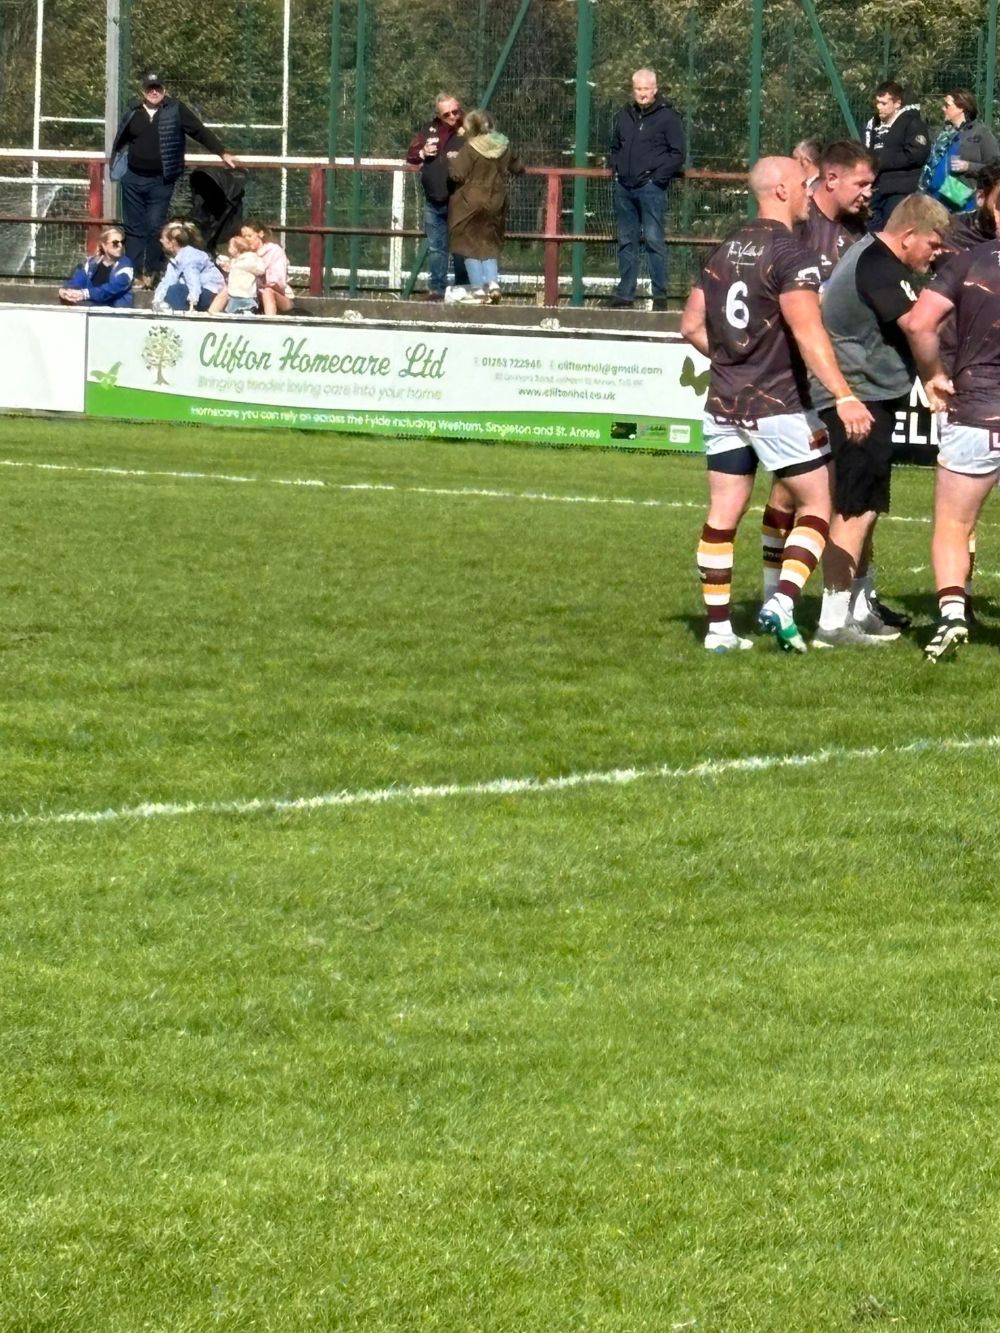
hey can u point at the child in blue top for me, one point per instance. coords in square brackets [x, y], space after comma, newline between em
[191, 279]
[106, 278]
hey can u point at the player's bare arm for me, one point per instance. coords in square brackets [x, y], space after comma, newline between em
[693, 324]
[921, 325]
[800, 311]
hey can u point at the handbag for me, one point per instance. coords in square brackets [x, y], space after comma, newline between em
[955, 191]
[119, 165]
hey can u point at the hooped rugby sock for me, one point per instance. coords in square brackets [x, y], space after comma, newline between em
[952, 603]
[803, 550]
[715, 568]
[774, 529]
[972, 564]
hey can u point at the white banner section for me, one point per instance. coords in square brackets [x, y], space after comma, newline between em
[44, 354]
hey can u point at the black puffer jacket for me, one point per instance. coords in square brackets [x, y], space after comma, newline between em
[900, 151]
[647, 144]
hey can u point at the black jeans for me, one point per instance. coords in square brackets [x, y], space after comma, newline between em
[145, 205]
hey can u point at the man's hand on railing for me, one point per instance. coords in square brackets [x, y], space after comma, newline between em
[230, 160]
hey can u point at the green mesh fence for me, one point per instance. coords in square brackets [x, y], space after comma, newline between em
[361, 75]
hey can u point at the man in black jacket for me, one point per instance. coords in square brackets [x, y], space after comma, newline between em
[430, 148]
[647, 152]
[147, 159]
[897, 138]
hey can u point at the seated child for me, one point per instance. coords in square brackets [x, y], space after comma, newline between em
[242, 269]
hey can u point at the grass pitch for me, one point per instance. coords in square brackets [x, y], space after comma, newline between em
[714, 1049]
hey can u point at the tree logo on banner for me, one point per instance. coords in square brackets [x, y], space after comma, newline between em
[161, 350]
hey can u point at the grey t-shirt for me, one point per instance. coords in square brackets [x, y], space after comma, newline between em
[868, 291]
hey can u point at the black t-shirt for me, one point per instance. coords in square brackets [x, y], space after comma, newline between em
[757, 369]
[101, 273]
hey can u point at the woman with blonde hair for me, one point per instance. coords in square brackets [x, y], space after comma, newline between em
[191, 278]
[477, 209]
[105, 278]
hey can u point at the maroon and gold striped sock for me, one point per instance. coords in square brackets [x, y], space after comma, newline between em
[774, 529]
[715, 567]
[972, 564]
[802, 553]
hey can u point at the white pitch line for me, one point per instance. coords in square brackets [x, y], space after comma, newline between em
[472, 492]
[615, 777]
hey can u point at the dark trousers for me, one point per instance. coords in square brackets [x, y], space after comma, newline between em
[145, 205]
[639, 215]
[436, 227]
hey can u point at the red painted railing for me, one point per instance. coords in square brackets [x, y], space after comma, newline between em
[552, 238]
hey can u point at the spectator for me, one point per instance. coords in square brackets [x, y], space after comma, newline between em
[147, 158]
[106, 278]
[647, 152]
[959, 152]
[477, 210]
[242, 268]
[808, 154]
[274, 294]
[897, 138]
[191, 278]
[430, 151]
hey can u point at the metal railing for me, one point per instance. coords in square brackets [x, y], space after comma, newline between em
[704, 204]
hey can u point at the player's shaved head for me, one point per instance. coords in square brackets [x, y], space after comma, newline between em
[770, 172]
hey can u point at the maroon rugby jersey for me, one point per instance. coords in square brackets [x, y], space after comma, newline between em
[971, 281]
[829, 240]
[757, 369]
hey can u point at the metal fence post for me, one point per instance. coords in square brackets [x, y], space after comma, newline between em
[756, 89]
[360, 96]
[95, 202]
[826, 56]
[584, 56]
[553, 219]
[317, 212]
[332, 115]
[991, 62]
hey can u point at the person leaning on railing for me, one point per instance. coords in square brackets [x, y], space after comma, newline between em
[106, 278]
[147, 158]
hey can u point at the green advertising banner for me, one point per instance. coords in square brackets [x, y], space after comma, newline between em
[396, 381]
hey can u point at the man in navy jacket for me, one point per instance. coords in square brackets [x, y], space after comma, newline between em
[147, 159]
[647, 152]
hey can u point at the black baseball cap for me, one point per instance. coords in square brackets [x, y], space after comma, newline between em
[152, 80]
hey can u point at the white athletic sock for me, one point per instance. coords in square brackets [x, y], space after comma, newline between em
[861, 596]
[723, 628]
[835, 609]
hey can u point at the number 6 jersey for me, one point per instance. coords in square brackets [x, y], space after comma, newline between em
[757, 369]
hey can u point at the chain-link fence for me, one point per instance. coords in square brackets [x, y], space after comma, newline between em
[354, 78]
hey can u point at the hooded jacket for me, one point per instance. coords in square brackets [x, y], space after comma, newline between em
[477, 210]
[900, 151]
[647, 144]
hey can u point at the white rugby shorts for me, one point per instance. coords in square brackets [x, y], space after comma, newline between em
[779, 442]
[971, 450]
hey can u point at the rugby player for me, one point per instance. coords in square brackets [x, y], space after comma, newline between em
[967, 230]
[836, 219]
[969, 454]
[754, 312]
[868, 293]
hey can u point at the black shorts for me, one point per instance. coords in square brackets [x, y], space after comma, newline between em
[861, 472]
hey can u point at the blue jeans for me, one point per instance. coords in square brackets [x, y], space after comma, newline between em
[482, 272]
[436, 227]
[639, 215]
[145, 204]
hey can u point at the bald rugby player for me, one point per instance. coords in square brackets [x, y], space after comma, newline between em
[755, 313]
